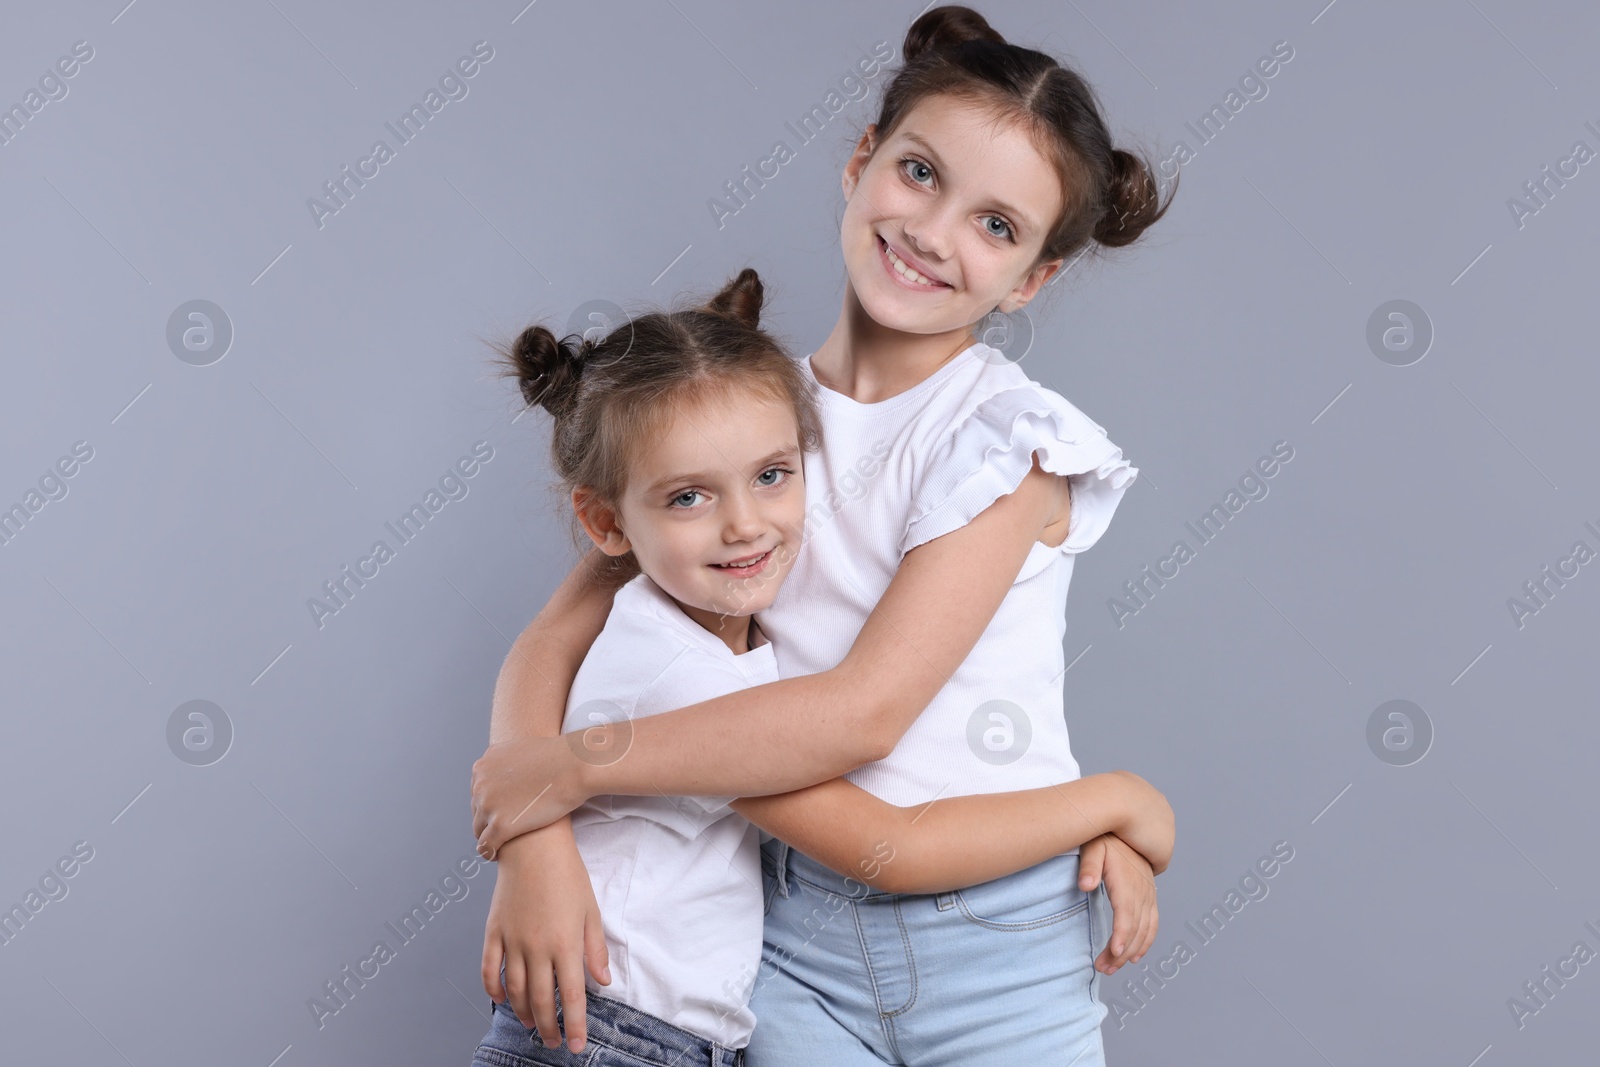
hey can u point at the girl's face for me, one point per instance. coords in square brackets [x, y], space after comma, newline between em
[959, 201]
[715, 506]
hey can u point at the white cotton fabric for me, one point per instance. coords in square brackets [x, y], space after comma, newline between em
[896, 474]
[678, 879]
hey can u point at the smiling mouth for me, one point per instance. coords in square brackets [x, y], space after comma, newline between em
[909, 275]
[747, 565]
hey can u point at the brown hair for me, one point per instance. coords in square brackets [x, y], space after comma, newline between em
[1110, 196]
[609, 398]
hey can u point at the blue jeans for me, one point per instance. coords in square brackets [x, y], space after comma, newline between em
[999, 973]
[619, 1036]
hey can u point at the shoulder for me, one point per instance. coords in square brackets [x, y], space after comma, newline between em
[988, 388]
[1003, 387]
[996, 414]
[651, 657]
[1001, 424]
[638, 643]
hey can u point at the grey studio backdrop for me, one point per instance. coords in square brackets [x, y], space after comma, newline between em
[1377, 661]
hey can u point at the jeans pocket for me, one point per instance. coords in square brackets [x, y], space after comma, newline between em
[510, 1044]
[1039, 896]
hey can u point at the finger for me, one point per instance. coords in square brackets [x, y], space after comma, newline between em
[480, 817]
[569, 979]
[1147, 934]
[1103, 962]
[542, 1003]
[1139, 940]
[1135, 932]
[494, 954]
[1091, 864]
[1124, 924]
[486, 848]
[517, 986]
[595, 954]
[495, 835]
[1106, 961]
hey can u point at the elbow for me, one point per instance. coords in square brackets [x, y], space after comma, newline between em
[876, 744]
[881, 872]
[876, 729]
[904, 861]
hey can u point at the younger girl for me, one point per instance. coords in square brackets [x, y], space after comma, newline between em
[680, 437]
[919, 635]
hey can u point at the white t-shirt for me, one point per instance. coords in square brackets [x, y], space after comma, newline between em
[895, 474]
[678, 879]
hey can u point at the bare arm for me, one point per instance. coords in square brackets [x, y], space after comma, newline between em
[797, 732]
[530, 700]
[544, 926]
[960, 841]
[530, 695]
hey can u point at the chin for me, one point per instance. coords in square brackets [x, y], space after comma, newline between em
[883, 308]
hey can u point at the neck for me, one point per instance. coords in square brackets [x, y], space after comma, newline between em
[738, 632]
[869, 362]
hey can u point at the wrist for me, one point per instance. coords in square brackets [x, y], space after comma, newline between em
[1125, 807]
[530, 847]
[587, 758]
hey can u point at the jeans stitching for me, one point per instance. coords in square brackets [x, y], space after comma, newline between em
[1029, 924]
[499, 1057]
[803, 880]
[872, 976]
[911, 962]
[593, 1045]
[866, 957]
[1095, 976]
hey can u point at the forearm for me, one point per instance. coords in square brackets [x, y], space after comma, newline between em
[772, 738]
[806, 730]
[947, 844]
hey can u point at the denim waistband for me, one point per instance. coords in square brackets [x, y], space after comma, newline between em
[783, 863]
[627, 1029]
[640, 1034]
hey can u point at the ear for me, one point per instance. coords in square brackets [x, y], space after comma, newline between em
[859, 160]
[1029, 287]
[601, 522]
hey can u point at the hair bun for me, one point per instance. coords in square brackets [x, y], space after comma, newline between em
[740, 299]
[1133, 201]
[947, 27]
[547, 370]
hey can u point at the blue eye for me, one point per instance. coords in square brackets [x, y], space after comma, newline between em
[918, 164]
[780, 471]
[686, 493]
[1008, 233]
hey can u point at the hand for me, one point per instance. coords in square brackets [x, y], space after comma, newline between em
[1151, 827]
[544, 921]
[522, 785]
[1131, 887]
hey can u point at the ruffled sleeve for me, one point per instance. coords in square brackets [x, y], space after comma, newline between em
[986, 455]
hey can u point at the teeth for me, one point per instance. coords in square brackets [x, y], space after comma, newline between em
[740, 563]
[900, 266]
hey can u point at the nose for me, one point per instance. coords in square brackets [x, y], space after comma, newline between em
[742, 519]
[928, 232]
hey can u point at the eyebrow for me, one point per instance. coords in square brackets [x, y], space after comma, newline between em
[766, 461]
[1002, 205]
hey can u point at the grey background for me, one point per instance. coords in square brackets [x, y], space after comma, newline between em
[219, 498]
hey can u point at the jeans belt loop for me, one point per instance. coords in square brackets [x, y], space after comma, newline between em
[783, 867]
